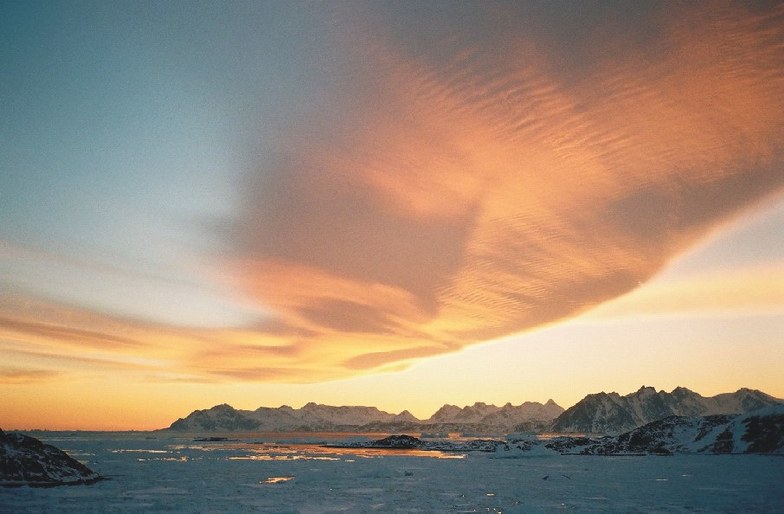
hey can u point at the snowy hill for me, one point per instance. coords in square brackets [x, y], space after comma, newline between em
[611, 413]
[760, 431]
[27, 461]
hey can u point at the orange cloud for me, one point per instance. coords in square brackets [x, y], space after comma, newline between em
[486, 190]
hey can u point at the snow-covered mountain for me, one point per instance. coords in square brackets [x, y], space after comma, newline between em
[349, 416]
[25, 460]
[508, 415]
[479, 417]
[483, 418]
[468, 414]
[611, 413]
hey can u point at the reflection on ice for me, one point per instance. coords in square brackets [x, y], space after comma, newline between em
[239, 450]
[276, 480]
[124, 450]
[281, 457]
[165, 459]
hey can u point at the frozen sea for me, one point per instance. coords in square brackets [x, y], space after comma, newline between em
[150, 472]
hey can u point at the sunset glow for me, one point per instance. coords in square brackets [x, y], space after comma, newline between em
[385, 204]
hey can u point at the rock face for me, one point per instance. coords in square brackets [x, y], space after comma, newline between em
[25, 460]
[611, 413]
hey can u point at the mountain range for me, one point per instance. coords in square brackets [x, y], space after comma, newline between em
[480, 418]
[600, 413]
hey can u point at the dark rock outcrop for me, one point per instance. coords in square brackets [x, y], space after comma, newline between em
[25, 460]
[407, 442]
[398, 442]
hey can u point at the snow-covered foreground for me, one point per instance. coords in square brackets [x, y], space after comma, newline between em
[156, 472]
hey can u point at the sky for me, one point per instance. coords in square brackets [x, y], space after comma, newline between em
[383, 203]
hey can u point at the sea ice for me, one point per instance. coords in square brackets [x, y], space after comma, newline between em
[163, 472]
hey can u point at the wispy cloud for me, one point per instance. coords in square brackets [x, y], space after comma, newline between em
[64, 333]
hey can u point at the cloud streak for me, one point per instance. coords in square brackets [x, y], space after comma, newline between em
[13, 375]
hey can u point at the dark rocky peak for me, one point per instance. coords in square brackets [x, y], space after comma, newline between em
[598, 398]
[407, 416]
[446, 412]
[223, 407]
[682, 391]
